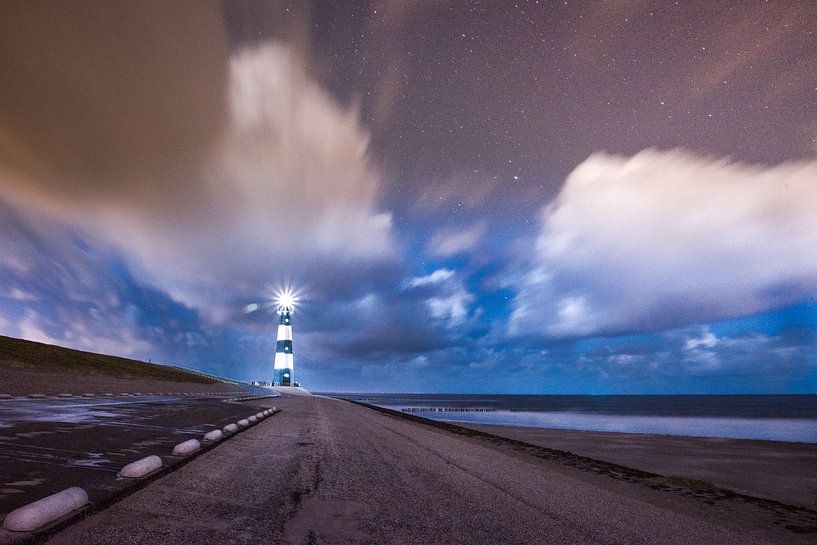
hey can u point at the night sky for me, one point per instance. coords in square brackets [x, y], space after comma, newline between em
[517, 197]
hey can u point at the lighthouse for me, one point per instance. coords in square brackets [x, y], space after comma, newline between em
[283, 349]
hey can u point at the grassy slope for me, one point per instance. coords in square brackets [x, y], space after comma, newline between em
[20, 354]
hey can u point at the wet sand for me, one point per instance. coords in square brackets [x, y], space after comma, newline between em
[785, 472]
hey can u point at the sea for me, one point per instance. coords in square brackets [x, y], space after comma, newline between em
[791, 418]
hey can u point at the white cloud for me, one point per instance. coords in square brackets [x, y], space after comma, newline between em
[664, 239]
[120, 340]
[368, 303]
[448, 242]
[297, 159]
[452, 307]
[437, 277]
[419, 361]
[450, 300]
[29, 328]
[92, 327]
[4, 327]
[18, 295]
[699, 352]
[706, 340]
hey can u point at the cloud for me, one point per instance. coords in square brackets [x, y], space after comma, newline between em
[213, 175]
[445, 296]
[700, 353]
[429, 313]
[18, 294]
[448, 242]
[437, 277]
[452, 307]
[78, 302]
[295, 161]
[28, 328]
[108, 104]
[289, 191]
[373, 328]
[88, 300]
[706, 340]
[663, 239]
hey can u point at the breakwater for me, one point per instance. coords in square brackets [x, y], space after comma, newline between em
[447, 410]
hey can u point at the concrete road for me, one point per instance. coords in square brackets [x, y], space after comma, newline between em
[47, 445]
[328, 471]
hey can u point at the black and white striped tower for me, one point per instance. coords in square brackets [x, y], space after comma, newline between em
[283, 350]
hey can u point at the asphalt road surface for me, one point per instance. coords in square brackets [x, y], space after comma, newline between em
[327, 471]
[47, 445]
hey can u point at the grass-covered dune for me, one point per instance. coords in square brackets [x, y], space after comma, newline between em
[22, 358]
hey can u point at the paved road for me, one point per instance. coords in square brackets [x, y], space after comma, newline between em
[327, 471]
[47, 445]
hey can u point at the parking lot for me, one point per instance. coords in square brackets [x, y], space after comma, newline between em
[50, 444]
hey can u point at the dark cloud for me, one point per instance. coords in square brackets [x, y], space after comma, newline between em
[109, 103]
[489, 91]
[387, 322]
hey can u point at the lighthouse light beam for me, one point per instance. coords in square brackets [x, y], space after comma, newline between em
[286, 299]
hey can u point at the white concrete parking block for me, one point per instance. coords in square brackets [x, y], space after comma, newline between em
[140, 468]
[187, 447]
[214, 435]
[39, 513]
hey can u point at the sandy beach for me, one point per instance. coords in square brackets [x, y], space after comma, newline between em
[784, 472]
